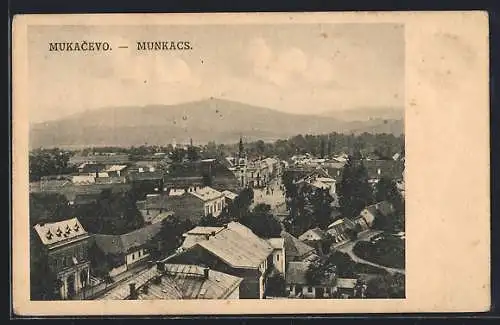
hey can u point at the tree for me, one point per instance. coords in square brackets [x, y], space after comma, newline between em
[354, 190]
[177, 155]
[193, 153]
[387, 286]
[169, 238]
[46, 162]
[276, 286]
[320, 200]
[262, 222]
[210, 221]
[386, 190]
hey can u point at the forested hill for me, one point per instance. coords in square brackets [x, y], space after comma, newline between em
[212, 119]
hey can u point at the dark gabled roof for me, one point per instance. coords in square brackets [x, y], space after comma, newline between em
[294, 247]
[121, 244]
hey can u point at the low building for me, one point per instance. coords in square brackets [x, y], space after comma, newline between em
[339, 231]
[230, 196]
[177, 281]
[116, 170]
[195, 203]
[313, 235]
[66, 245]
[235, 250]
[370, 213]
[298, 286]
[127, 250]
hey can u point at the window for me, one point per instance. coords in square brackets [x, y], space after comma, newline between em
[140, 253]
[133, 256]
[309, 289]
[278, 257]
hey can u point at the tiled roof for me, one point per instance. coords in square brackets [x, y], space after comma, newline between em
[61, 231]
[191, 282]
[119, 244]
[178, 281]
[238, 246]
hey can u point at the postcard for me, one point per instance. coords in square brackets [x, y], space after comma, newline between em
[250, 163]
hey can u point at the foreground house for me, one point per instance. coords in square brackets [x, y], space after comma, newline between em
[128, 250]
[176, 281]
[235, 250]
[66, 245]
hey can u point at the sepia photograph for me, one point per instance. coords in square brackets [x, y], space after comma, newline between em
[192, 161]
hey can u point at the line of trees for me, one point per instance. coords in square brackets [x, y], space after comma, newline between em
[47, 162]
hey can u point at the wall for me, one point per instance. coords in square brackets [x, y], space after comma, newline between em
[294, 290]
[61, 258]
[136, 256]
[215, 207]
[279, 260]
[118, 270]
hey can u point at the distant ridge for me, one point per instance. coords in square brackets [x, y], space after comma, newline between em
[212, 119]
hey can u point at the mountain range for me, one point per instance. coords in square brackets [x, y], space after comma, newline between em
[212, 119]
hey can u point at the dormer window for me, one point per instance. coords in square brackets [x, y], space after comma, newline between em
[59, 232]
[68, 229]
[76, 227]
[48, 234]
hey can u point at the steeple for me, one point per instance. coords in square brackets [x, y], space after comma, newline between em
[240, 148]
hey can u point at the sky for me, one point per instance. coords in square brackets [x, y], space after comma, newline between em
[301, 69]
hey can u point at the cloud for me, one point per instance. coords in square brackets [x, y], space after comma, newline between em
[289, 67]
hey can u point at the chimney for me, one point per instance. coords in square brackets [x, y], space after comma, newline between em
[133, 292]
[206, 272]
[160, 266]
[212, 233]
[157, 279]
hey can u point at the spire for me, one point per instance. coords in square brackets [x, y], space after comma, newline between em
[240, 148]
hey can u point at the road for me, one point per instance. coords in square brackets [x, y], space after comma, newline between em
[275, 197]
[366, 236]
